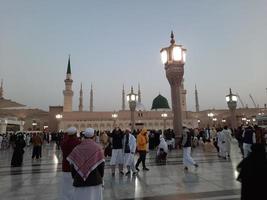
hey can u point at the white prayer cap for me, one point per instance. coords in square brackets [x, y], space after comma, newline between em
[89, 132]
[128, 129]
[71, 131]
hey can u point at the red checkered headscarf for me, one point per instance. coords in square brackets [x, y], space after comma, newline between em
[86, 157]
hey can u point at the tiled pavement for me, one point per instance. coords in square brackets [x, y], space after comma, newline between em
[215, 178]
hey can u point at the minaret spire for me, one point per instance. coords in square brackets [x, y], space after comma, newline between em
[68, 93]
[91, 99]
[1, 90]
[81, 99]
[139, 93]
[196, 98]
[69, 67]
[123, 98]
[172, 38]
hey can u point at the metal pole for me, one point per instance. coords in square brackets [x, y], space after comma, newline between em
[132, 120]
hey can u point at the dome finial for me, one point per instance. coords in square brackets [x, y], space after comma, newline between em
[172, 38]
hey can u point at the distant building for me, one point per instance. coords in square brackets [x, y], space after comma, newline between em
[17, 117]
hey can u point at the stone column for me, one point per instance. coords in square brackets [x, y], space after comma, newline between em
[174, 74]
[132, 106]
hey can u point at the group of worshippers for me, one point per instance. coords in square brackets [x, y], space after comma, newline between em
[83, 160]
[19, 141]
[83, 166]
[124, 146]
[247, 136]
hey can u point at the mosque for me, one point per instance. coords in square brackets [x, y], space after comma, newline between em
[159, 117]
[16, 116]
[151, 119]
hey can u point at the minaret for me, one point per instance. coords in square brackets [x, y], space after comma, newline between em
[81, 99]
[1, 90]
[68, 93]
[196, 97]
[91, 99]
[123, 98]
[139, 94]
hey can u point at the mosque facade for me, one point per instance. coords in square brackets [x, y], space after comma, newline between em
[151, 119]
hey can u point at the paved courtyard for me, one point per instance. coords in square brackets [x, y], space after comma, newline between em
[215, 178]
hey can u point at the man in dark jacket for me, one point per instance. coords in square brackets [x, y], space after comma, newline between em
[70, 141]
[253, 174]
[117, 152]
[249, 138]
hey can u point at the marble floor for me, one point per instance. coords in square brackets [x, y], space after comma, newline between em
[215, 178]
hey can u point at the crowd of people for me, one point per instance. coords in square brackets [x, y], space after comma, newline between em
[84, 153]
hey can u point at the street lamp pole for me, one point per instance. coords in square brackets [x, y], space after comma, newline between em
[231, 100]
[58, 117]
[34, 124]
[114, 116]
[211, 115]
[173, 57]
[164, 116]
[132, 98]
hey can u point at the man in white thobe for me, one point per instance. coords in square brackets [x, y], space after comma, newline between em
[186, 143]
[129, 148]
[226, 142]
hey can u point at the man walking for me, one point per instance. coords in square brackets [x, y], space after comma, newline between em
[129, 148]
[249, 138]
[142, 141]
[186, 144]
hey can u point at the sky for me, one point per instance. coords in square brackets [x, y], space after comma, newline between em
[118, 42]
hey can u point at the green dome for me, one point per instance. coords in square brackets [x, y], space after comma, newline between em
[160, 102]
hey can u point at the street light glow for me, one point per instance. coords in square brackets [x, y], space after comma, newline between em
[59, 116]
[164, 56]
[164, 115]
[177, 53]
[184, 55]
[210, 115]
[114, 115]
[234, 98]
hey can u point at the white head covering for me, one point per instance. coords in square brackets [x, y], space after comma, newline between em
[89, 132]
[71, 131]
[128, 129]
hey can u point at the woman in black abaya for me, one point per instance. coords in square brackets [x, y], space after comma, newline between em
[17, 156]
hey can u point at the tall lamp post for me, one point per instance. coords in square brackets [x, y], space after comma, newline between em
[231, 100]
[164, 116]
[173, 57]
[34, 124]
[114, 117]
[132, 98]
[214, 121]
[211, 115]
[58, 117]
